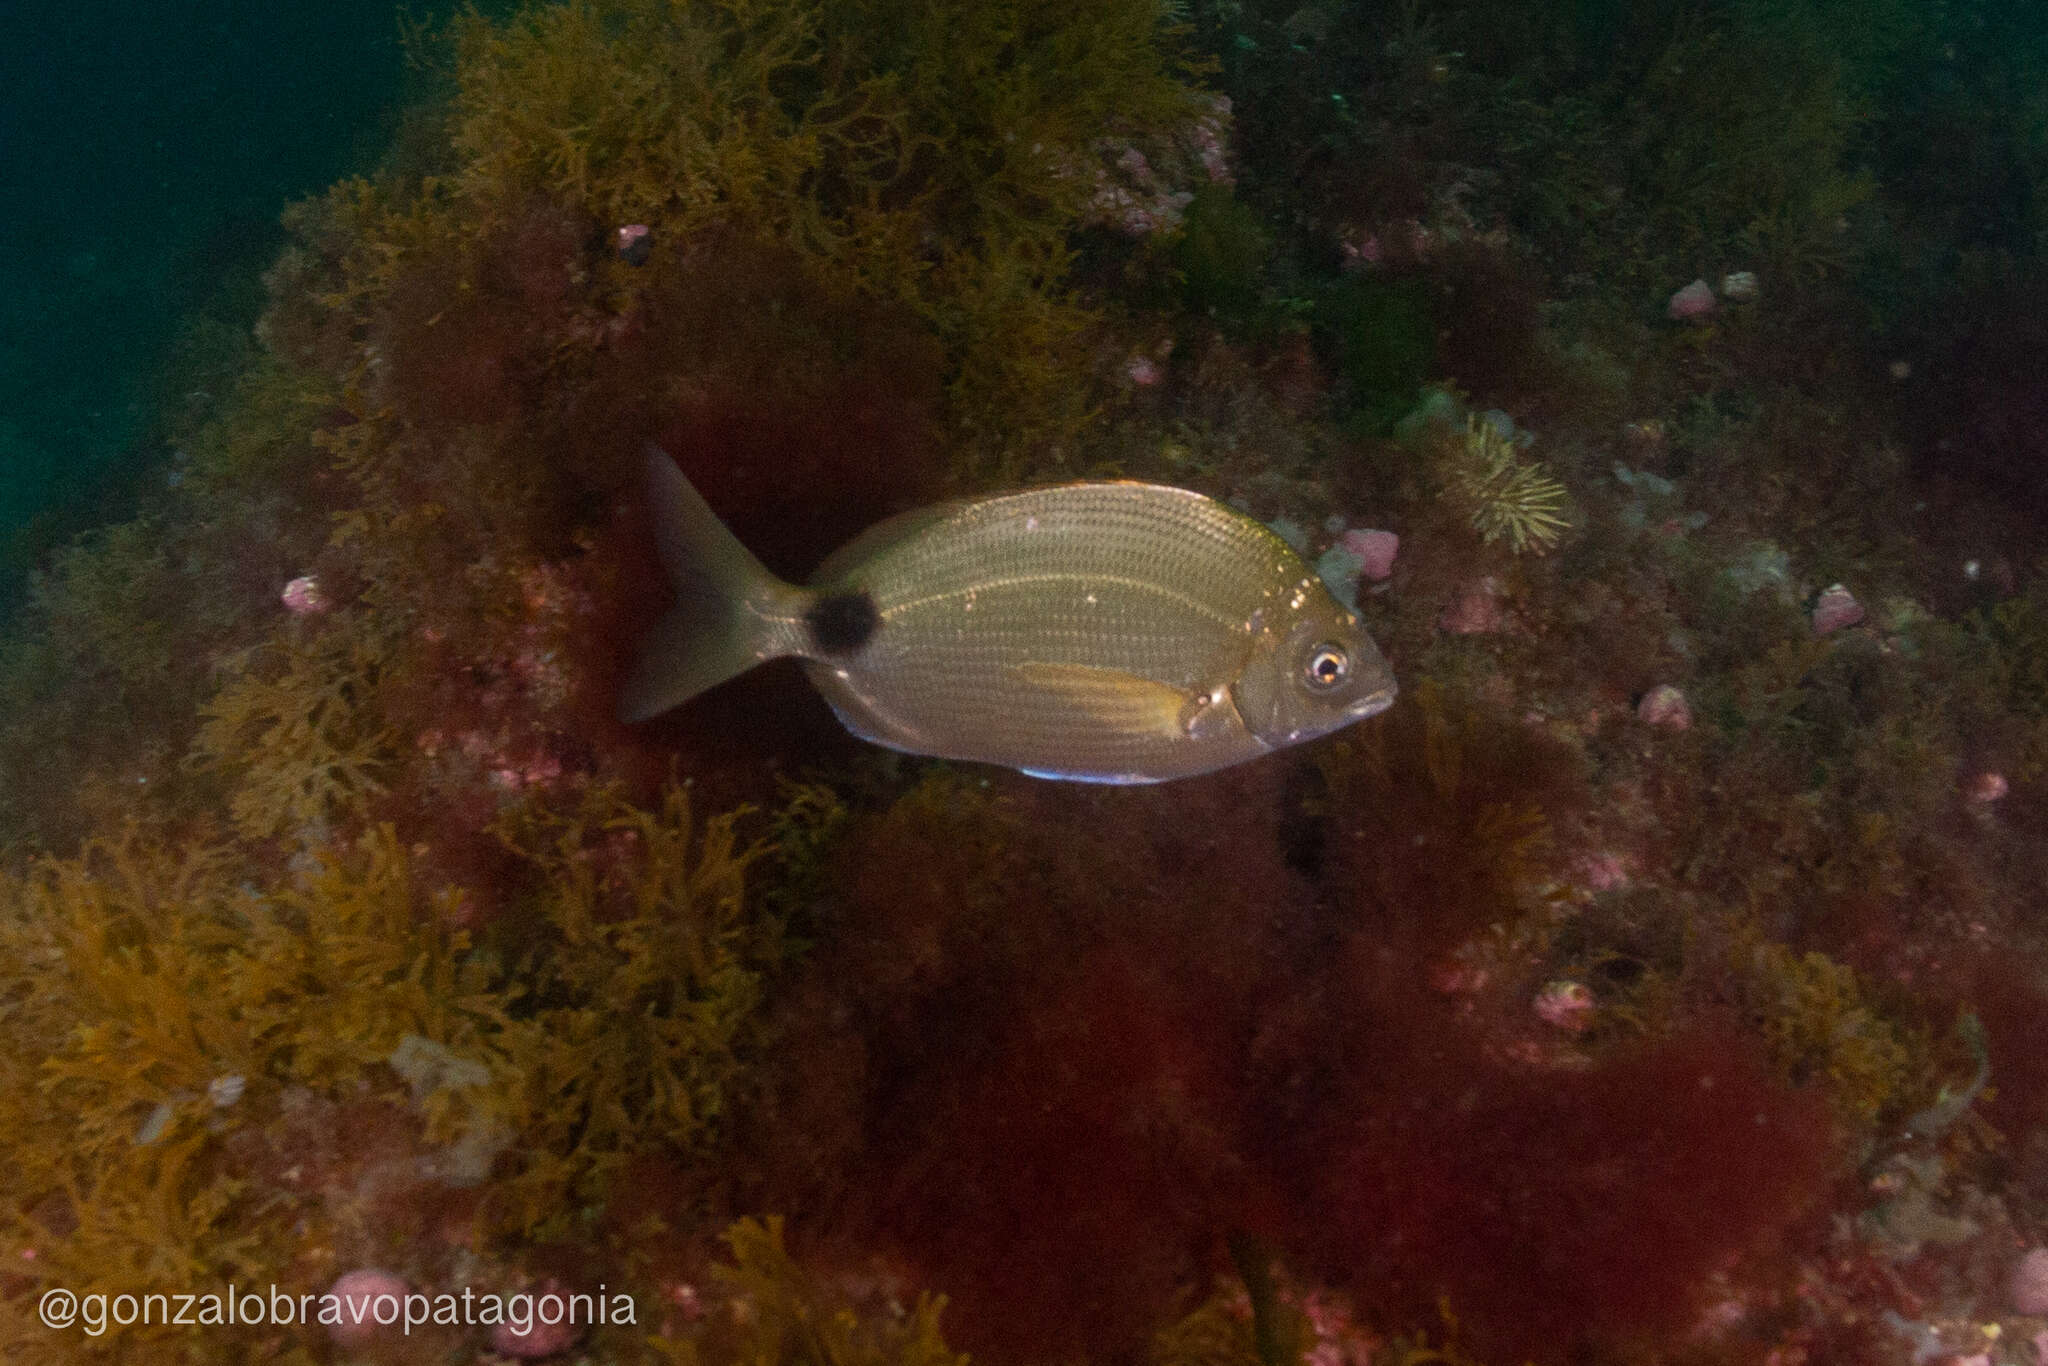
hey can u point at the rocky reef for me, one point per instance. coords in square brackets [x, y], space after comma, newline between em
[1661, 980]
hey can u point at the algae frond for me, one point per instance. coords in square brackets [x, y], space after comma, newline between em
[168, 1019]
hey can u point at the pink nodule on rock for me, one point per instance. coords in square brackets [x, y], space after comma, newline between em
[1600, 872]
[1375, 551]
[1453, 978]
[302, 597]
[1696, 300]
[368, 1302]
[1664, 705]
[532, 1336]
[1474, 611]
[1835, 608]
[2028, 1287]
[1144, 372]
[1986, 788]
[1565, 1005]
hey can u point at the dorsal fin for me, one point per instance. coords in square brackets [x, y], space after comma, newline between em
[882, 536]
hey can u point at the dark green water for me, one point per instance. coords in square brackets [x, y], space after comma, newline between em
[145, 152]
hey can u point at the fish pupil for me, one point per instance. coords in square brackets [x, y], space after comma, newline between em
[1327, 667]
[841, 622]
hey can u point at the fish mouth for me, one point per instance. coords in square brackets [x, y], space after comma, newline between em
[1372, 704]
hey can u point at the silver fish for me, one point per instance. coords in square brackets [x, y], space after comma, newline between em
[1103, 632]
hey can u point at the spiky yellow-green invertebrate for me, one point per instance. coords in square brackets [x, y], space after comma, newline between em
[1506, 498]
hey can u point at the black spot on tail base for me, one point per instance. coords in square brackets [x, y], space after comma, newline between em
[843, 622]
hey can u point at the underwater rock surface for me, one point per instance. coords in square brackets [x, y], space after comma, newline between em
[1659, 980]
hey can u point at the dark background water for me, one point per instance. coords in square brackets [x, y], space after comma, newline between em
[146, 150]
[145, 153]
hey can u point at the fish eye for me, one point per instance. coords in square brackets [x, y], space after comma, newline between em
[1328, 666]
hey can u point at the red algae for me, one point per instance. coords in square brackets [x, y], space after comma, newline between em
[1442, 817]
[1072, 1187]
[453, 357]
[812, 412]
[1034, 1093]
[1556, 1210]
[2007, 995]
[542, 259]
[1091, 1054]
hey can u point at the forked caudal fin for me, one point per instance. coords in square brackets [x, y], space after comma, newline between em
[730, 613]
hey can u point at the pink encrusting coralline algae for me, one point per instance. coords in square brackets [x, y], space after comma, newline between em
[1375, 551]
[1474, 610]
[548, 1330]
[1565, 1005]
[302, 597]
[368, 1302]
[1834, 609]
[2027, 1288]
[1985, 788]
[1694, 302]
[1144, 189]
[1664, 705]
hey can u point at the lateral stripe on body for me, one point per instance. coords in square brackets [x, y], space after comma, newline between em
[1081, 579]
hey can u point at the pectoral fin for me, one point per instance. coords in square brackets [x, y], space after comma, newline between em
[1129, 703]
